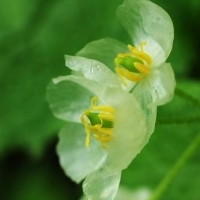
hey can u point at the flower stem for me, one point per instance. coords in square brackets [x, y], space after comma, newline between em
[177, 166]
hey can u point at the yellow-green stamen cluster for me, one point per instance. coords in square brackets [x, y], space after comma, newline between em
[133, 65]
[99, 121]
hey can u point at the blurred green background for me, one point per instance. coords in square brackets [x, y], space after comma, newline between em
[34, 36]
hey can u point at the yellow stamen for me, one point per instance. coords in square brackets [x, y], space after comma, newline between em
[103, 108]
[107, 117]
[131, 76]
[101, 131]
[123, 55]
[136, 59]
[101, 126]
[87, 139]
[140, 54]
[120, 74]
[142, 68]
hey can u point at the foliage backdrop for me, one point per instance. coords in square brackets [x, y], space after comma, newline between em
[34, 37]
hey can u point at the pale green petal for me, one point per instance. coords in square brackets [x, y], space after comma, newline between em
[93, 86]
[146, 21]
[67, 99]
[125, 193]
[129, 132]
[162, 84]
[91, 69]
[102, 184]
[103, 50]
[156, 89]
[144, 97]
[158, 24]
[129, 16]
[76, 160]
[156, 53]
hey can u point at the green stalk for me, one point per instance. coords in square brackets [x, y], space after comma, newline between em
[177, 166]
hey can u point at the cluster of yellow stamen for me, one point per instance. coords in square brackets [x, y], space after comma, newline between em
[133, 65]
[99, 121]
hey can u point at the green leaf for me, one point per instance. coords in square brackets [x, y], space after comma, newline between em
[166, 145]
[185, 104]
[34, 38]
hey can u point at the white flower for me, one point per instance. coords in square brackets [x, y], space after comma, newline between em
[105, 126]
[110, 118]
[141, 64]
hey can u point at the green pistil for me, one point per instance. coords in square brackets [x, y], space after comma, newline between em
[94, 120]
[127, 63]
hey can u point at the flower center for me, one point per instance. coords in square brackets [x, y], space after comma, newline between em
[133, 65]
[99, 121]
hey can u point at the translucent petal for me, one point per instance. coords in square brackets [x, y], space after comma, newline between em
[129, 131]
[158, 24]
[129, 16]
[155, 51]
[103, 50]
[162, 84]
[93, 86]
[146, 21]
[67, 99]
[91, 69]
[156, 89]
[145, 99]
[76, 160]
[102, 184]
[125, 193]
